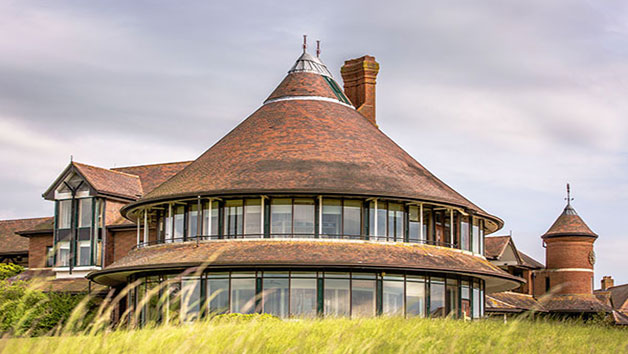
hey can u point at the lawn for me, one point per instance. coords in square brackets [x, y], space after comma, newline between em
[377, 335]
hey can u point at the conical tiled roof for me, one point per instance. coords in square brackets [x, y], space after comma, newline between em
[305, 139]
[569, 223]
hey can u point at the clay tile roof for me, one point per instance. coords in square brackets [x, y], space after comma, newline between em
[530, 262]
[308, 146]
[574, 303]
[111, 182]
[618, 296]
[569, 223]
[153, 175]
[494, 246]
[276, 252]
[512, 302]
[303, 84]
[10, 241]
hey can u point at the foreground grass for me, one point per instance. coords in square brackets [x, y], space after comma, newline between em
[378, 335]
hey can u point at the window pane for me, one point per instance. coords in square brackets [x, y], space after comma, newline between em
[395, 222]
[253, 217]
[372, 231]
[173, 305]
[437, 297]
[179, 222]
[243, 295]
[392, 302]
[275, 296]
[452, 297]
[363, 298]
[304, 216]
[476, 236]
[464, 233]
[168, 232]
[336, 297]
[63, 254]
[210, 219]
[413, 224]
[476, 301]
[50, 257]
[332, 213]
[192, 220]
[352, 217]
[303, 297]
[415, 299]
[85, 212]
[84, 253]
[65, 214]
[233, 218]
[218, 295]
[190, 299]
[281, 216]
[466, 299]
[382, 211]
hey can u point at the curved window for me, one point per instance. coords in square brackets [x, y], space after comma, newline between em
[369, 219]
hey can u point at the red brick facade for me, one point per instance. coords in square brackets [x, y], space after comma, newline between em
[37, 250]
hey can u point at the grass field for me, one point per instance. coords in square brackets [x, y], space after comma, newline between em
[378, 335]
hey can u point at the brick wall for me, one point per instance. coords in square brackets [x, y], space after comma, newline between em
[568, 252]
[37, 250]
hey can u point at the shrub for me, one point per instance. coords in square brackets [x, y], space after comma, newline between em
[7, 270]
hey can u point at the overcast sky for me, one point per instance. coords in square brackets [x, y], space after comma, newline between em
[506, 101]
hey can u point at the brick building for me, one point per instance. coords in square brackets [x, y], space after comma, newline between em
[305, 208]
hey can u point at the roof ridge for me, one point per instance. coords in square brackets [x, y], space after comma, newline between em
[24, 219]
[151, 165]
[107, 169]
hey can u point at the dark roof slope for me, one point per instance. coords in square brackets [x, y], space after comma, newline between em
[574, 303]
[530, 262]
[308, 146]
[569, 223]
[494, 246]
[10, 241]
[508, 301]
[111, 182]
[153, 175]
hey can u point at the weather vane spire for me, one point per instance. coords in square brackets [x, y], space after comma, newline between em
[304, 42]
[569, 198]
[318, 48]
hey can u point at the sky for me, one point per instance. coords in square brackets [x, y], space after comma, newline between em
[506, 101]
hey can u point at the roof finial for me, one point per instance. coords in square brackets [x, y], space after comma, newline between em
[304, 42]
[569, 198]
[318, 48]
[71, 158]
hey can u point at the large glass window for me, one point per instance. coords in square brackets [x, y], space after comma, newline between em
[393, 296]
[363, 295]
[464, 233]
[476, 235]
[65, 214]
[85, 212]
[168, 223]
[276, 294]
[415, 296]
[218, 293]
[303, 295]
[382, 218]
[336, 297]
[192, 220]
[437, 297]
[84, 253]
[352, 217]
[50, 256]
[173, 299]
[476, 300]
[451, 298]
[179, 222]
[63, 257]
[243, 294]
[190, 298]
[465, 295]
[253, 217]
[304, 217]
[233, 218]
[332, 217]
[281, 217]
[395, 222]
[414, 224]
[210, 218]
[427, 224]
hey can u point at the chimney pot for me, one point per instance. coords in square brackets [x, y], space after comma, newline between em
[607, 282]
[359, 76]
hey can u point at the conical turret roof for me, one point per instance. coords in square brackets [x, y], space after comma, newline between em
[306, 138]
[569, 223]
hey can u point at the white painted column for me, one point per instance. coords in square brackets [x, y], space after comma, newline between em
[421, 235]
[138, 230]
[320, 215]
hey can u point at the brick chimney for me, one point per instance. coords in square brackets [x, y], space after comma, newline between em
[607, 282]
[359, 81]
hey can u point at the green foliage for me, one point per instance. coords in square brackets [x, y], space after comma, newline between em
[7, 270]
[245, 334]
[25, 310]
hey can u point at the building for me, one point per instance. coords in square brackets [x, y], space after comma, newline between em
[305, 208]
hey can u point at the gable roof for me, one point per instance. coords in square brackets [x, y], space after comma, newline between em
[10, 241]
[101, 180]
[569, 223]
[494, 246]
[530, 262]
[618, 295]
[304, 141]
[153, 175]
